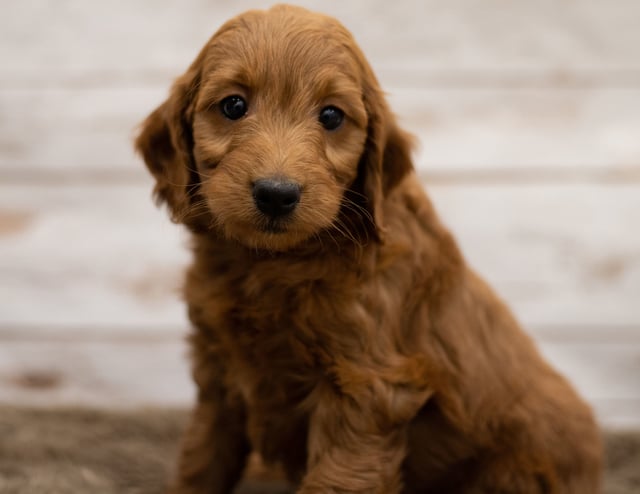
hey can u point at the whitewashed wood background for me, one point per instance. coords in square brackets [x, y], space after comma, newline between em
[529, 118]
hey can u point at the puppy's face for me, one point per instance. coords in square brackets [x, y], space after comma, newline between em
[279, 127]
[276, 120]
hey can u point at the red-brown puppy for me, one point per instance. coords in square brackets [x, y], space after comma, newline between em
[337, 329]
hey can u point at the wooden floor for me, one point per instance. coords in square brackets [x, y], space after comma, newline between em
[529, 119]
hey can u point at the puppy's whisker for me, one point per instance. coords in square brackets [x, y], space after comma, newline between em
[346, 232]
[360, 212]
[356, 208]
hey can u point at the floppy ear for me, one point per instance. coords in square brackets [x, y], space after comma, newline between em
[386, 158]
[166, 144]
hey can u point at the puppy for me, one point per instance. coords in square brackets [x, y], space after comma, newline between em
[337, 330]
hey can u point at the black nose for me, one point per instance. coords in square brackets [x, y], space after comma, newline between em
[276, 197]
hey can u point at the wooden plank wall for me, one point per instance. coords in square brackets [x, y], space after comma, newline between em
[529, 119]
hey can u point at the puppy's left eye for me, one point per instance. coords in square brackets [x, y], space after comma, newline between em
[331, 117]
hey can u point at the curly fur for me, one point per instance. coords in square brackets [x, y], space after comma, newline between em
[352, 345]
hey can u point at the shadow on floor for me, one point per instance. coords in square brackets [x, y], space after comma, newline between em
[79, 451]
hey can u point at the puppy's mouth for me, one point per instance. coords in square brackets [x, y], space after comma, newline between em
[273, 226]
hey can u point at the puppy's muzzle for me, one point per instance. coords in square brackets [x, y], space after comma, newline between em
[275, 197]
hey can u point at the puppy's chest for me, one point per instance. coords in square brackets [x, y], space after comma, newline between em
[283, 336]
[279, 340]
[278, 326]
[285, 330]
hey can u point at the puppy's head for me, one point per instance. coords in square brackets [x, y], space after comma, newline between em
[277, 132]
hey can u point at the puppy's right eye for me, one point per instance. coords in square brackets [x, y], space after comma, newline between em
[233, 107]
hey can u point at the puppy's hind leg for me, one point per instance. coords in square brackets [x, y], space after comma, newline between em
[508, 475]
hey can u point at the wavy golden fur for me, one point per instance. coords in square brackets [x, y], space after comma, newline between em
[346, 339]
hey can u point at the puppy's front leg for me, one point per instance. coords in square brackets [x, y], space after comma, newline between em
[214, 451]
[215, 445]
[357, 443]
